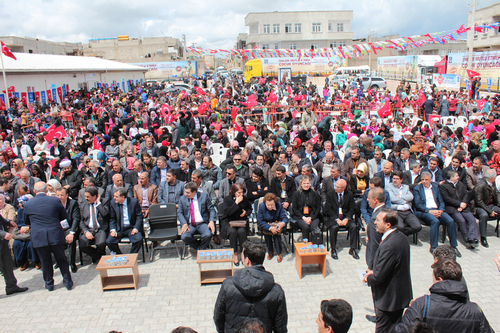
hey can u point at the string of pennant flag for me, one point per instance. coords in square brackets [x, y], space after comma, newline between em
[349, 51]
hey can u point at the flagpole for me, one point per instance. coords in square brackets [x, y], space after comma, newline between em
[7, 102]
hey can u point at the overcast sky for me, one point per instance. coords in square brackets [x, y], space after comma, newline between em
[214, 23]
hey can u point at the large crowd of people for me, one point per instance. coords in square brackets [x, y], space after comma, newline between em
[277, 154]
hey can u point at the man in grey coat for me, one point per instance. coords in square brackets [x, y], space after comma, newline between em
[226, 183]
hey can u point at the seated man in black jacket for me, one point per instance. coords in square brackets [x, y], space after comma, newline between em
[257, 185]
[251, 293]
[339, 212]
[457, 200]
[283, 187]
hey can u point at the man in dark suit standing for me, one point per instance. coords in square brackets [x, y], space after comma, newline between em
[376, 200]
[94, 224]
[71, 224]
[125, 221]
[339, 211]
[196, 214]
[6, 262]
[44, 214]
[390, 278]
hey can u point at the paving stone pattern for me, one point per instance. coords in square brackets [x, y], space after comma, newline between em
[170, 294]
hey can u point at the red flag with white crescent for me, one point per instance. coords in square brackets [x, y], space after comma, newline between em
[7, 51]
[55, 132]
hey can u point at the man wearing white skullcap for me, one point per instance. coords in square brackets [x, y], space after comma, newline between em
[69, 178]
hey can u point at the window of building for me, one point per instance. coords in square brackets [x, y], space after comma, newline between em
[316, 27]
[340, 27]
[265, 46]
[293, 46]
[314, 46]
[485, 33]
[276, 46]
[333, 44]
[330, 27]
[342, 43]
[30, 51]
[298, 27]
[267, 29]
[276, 28]
[288, 28]
[450, 51]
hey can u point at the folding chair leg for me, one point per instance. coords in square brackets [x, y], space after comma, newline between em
[415, 238]
[143, 253]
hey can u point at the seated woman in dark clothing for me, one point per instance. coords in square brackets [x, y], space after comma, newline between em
[236, 208]
[306, 206]
[272, 219]
[360, 183]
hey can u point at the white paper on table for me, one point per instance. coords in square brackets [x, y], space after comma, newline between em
[362, 273]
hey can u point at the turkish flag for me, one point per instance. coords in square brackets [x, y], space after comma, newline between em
[56, 132]
[273, 97]
[59, 93]
[7, 52]
[421, 97]
[2, 105]
[10, 89]
[97, 145]
[49, 95]
[251, 101]
[398, 104]
[299, 98]
[472, 73]
[37, 96]
[385, 110]
[432, 116]
[480, 103]
[199, 90]
[52, 163]
[234, 112]
[203, 107]
[314, 140]
[24, 98]
[163, 109]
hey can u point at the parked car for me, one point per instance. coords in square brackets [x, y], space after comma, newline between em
[337, 79]
[375, 83]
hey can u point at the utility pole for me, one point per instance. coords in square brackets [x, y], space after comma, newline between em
[471, 34]
[185, 47]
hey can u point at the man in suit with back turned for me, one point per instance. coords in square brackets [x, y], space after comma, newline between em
[390, 278]
[125, 221]
[44, 214]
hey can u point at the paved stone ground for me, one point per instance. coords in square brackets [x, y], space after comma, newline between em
[170, 295]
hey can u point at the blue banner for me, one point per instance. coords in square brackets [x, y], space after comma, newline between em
[64, 91]
[99, 85]
[16, 94]
[141, 82]
[123, 84]
[42, 95]
[31, 97]
[107, 86]
[54, 93]
[489, 84]
[2, 96]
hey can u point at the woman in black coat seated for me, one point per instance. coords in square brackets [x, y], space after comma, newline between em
[236, 208]
[306, 206]
[359, 183]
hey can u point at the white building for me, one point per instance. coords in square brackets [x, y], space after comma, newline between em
[42, 73]
[490, 39]
[299, 30]
[40, 46]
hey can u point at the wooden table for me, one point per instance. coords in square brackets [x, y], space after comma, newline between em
[119, 281]
[217, 275]
[308, 258]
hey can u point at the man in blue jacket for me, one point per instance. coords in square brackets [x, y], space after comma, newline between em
[44, 214]
[429, 206]
[196, 214]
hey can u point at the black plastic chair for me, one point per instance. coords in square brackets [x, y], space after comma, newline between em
[163, 226]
